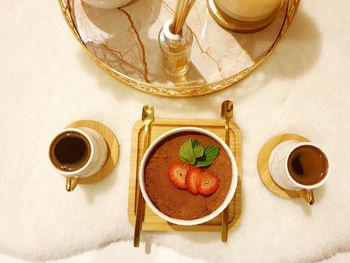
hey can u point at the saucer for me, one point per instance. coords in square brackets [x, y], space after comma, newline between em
[263, 165]
[112, 146]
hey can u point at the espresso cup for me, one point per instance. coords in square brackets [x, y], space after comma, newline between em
[77, 152]
[299, 166]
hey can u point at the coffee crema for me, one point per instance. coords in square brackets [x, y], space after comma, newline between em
[307, 165]
[70, 151]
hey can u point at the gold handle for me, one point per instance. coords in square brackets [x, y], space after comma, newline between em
[146, 139]
[71, 183]
[225, 213]
[307, 196]
[140, 203]
[224, 224]
[227, 115]
[227, 132]
[140, 212]
[146, 142]
[148, 118]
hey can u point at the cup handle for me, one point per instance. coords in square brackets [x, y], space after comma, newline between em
[307, 196]
[71, 183]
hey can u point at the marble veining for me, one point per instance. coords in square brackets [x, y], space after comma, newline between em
[126, 39]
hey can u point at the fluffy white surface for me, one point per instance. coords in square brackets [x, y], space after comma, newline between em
[47, 81]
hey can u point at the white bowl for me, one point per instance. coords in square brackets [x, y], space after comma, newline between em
[217, 211]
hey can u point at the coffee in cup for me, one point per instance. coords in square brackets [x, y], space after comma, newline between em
[78, 152]
[70, 151]
[307, 165]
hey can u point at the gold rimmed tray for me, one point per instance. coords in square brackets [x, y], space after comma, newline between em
[123, 42]
[151, 221]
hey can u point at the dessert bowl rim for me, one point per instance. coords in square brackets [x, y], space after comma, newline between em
[228, 197]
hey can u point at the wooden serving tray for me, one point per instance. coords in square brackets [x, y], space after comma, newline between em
[151, 221]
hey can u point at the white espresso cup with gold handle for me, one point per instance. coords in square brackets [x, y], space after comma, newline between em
[77, 152]
[299, 166]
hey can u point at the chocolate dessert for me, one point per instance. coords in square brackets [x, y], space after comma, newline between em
[180, 203]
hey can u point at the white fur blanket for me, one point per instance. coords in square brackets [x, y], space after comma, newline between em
[47, 81]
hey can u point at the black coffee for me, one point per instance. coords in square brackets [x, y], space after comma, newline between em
[70, 151]
[307, 165]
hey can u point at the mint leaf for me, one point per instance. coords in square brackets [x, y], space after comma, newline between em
[198, 151]
[195, 143]
[186, 153]
[192, 153]
[209, 156]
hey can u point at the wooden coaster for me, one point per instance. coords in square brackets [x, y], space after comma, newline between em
[112, 147]
[263, 165]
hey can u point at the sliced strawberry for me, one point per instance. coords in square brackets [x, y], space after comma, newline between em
[209, 183]
[193, 180]
[177, 174]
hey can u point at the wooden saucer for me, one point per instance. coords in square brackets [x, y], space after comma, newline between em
[112, 146]
[263, 165]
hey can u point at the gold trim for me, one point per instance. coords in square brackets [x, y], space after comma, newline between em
[189, 91]
[71, 183]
